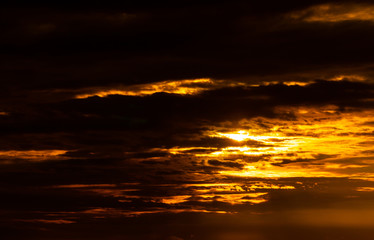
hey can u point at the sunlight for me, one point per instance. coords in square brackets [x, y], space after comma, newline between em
[243, 135]
[310, 146]
[239, 136]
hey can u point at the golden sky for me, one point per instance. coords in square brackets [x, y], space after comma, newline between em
[187, 120]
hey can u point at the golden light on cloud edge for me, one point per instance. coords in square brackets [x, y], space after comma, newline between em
[234, 194]
[183, 87]
[34, 155]
[195, 86]
[47, 221]
[336, 13]
[180, 87]
[355, 78]
[252, 193]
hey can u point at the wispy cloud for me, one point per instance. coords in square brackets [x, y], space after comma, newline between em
[336, 13]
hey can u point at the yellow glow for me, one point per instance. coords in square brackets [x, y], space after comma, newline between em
[243, 135]
[278, 172]
[341, 166]
[239, 136]
[322, 142]
[336, 13]
[282, 143]
[245, 151]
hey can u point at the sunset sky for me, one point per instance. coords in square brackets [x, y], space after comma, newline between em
[187, 120]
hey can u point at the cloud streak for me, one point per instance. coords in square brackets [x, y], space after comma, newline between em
[334, 13]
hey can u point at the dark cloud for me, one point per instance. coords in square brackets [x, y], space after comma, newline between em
[226, 164]
[49, 46]
[313, 160]
[167, 113]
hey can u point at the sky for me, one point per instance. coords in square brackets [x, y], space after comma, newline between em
[187, 120]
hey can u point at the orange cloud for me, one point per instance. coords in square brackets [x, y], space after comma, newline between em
[47, 221]
[320, 142]
[336, 13]
[33, 155]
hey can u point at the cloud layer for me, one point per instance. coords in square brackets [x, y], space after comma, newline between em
[186, 120]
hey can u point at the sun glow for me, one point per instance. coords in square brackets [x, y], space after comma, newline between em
[268, 143]
[243, 135]
[245, 150]
[278, 172]
[320, 143]
[239, 136]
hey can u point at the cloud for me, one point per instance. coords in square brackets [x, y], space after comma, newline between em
[31, 155]
[93, 49]
[53, 221]
[334, 13]
[199, 120]
[174, 238]
[183, 87]
[226, 164]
